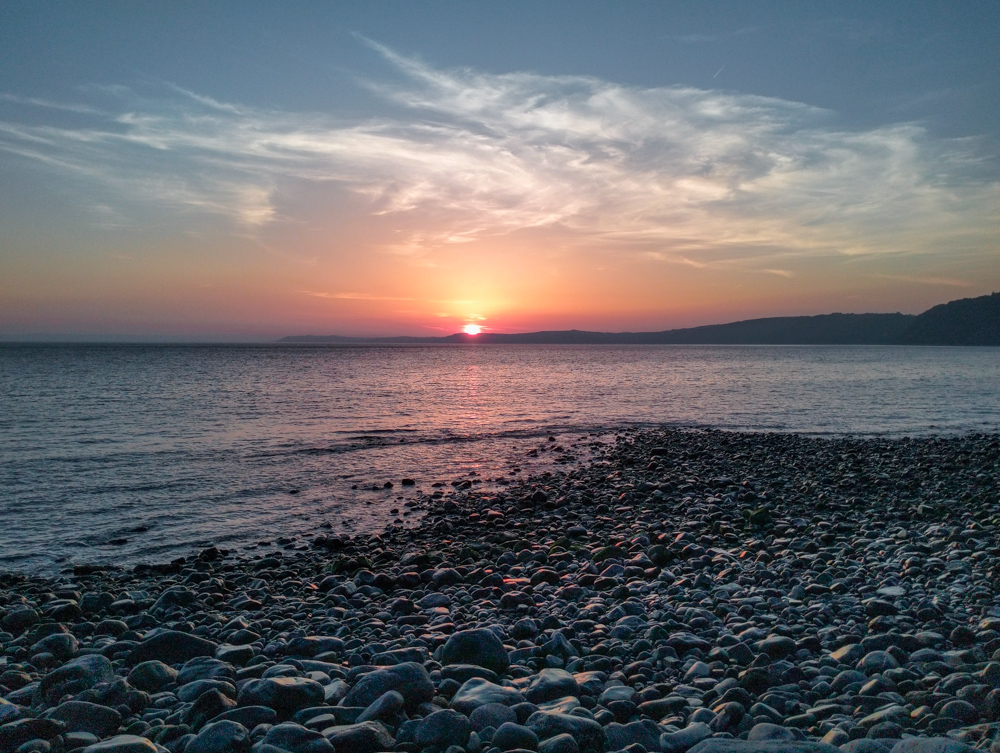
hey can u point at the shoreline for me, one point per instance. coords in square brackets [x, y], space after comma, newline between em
[698, 583]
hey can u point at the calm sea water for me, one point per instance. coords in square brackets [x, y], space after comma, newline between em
[143, 453]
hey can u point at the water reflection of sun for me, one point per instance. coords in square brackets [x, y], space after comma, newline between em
[472, 329]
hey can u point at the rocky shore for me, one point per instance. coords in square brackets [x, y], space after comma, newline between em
[695, 591]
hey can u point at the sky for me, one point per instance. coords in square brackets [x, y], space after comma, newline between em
[244, 171]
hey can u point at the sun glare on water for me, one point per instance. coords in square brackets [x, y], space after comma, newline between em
[472, 329]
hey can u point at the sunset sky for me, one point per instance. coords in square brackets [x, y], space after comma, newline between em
[242, 171]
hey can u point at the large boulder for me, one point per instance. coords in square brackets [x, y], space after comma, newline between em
[480, 647]
[409, 679]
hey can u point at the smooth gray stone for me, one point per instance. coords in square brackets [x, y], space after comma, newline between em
[297, 739]
[220, 737]
[551, 684]
[205, 668]
[684, 739]
[367, 737]
[384, 708]
[441, 729]
[248, 716]
[151, 676]
[60, 645]
[80, 716]
[191, 691]
[768, 731]
[286, 695]
[313, 645]
[462, 673]
[399, 656]
[19, 620]
[122, 744]
[888, 714]
[721, 745]
[616, 693]
[645, 732]
[589, 735]
[868, 745]
[15, 734]
[172, 647]
[478, 692]
[930, 745]
[409, 679]
[75, 676]
[848, 654]
[514, 736]
[559, 744]
[491, 715]
[480, 647]
[335, 691]
[9, 712]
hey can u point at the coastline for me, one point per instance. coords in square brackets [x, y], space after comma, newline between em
[699, 583]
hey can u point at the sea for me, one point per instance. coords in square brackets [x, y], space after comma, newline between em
[120, 454]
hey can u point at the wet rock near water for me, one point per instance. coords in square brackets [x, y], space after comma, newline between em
[686, 591]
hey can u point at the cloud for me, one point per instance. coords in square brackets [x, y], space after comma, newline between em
[353, 296]
[927, 280]
[690, 175]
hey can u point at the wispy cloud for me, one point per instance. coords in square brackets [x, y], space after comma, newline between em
[722, 36]
[950, 282]
[681, 172]
[353, 296]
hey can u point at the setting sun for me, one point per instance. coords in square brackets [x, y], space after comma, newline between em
[472, 329]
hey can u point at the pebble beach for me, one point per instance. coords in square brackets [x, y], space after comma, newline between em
[684, 590]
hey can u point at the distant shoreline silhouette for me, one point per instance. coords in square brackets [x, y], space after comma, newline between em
[969, 321]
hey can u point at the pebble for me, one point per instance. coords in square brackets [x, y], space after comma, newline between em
[688, 591]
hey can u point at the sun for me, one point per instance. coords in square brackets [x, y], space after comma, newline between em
[472, 329]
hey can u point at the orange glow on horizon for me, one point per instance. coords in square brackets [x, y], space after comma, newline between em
[472, 329]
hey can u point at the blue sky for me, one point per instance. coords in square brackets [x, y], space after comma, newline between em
[245, 170]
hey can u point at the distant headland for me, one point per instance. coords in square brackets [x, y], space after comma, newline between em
[969, 321]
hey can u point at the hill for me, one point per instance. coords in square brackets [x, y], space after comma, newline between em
[970, 321]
